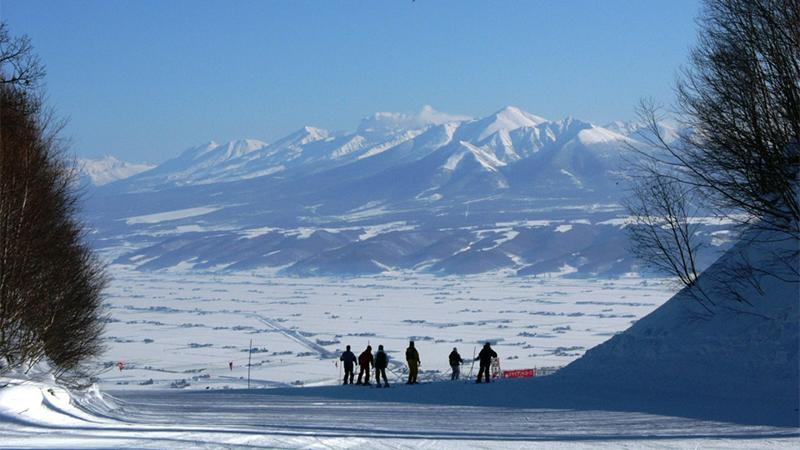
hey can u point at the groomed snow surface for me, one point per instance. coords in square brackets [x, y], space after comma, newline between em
[505, 414]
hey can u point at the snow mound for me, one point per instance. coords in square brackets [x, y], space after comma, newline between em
[740, 349]
[43, 402]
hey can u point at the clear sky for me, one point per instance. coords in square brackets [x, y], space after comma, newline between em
[143, 80]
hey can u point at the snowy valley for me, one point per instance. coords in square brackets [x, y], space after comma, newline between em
[450, 233]
[257, 246]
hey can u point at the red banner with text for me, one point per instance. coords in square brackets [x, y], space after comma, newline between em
[521, 373]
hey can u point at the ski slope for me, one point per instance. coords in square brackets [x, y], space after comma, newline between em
[435, 415]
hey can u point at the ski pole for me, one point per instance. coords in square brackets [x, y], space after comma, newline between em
[473, 362]
[249, 356]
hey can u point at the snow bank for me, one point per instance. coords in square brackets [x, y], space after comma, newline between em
[40, 401]
[742, 356]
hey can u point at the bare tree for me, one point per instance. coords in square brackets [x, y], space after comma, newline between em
[740, 99]
[739, 102]
[50, 283]
[663, 232]
[19, 65]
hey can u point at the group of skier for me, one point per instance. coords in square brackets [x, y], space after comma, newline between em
[380, 363]
[365, 360]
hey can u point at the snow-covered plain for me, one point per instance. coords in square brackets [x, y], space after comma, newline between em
[185, 329]
[175, 333]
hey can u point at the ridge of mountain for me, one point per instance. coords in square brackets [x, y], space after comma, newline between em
[510, 192]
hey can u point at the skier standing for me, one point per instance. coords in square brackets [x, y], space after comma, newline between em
[485, 356]
[365, 361]
[381, 362]
[455, 364]
[348, 358]
[412, 358]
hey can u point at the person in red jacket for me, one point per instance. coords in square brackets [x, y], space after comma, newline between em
[365, 361]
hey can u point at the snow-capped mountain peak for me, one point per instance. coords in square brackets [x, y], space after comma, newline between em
[296, 140]
[515, 117]
[108, 169]
[237, 148]
[507, 119]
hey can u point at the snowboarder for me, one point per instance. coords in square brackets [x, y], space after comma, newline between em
[365, 361]
[455, 364]
[412, 358]
[348, 358]
[381, 362]
[230, 365]
[485, 357]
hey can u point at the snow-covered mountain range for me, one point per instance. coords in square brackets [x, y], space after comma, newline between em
[426, 192]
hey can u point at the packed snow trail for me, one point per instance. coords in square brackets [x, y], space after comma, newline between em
[381, 418]
[353, 416]
[295, 336]
[396, 368]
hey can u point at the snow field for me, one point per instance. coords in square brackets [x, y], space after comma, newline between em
[182, 330]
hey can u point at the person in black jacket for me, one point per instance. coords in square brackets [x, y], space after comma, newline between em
[485, 357]
[455, 364]
[381, 362]
[366, 362]
[348, 358]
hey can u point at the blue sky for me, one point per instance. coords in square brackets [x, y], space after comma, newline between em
[143, 80]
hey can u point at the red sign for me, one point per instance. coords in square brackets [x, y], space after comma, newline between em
[521, 373]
